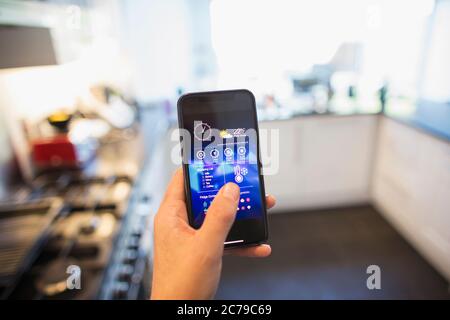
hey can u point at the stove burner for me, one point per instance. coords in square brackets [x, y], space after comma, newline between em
[53, 280]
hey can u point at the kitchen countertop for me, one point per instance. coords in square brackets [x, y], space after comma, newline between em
[431, 118]
[343, 108]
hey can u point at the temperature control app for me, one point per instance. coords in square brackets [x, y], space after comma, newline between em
[231, 158]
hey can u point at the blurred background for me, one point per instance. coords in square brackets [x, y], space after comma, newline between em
[359, 91]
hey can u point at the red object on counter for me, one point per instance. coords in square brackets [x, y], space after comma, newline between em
[57, 151]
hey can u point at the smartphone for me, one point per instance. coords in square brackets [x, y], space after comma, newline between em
[220, 144]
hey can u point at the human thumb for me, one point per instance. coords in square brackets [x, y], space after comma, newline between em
[221, 214]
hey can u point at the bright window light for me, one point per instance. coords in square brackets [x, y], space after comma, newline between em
[259, 43]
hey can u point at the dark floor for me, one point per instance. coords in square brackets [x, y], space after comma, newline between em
[324, 255]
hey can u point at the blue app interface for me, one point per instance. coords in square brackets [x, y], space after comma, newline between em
[231, 157]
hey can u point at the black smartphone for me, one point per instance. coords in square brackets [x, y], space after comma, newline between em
[220, 144]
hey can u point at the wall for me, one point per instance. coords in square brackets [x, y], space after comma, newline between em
[156, 37]
[436, 74]
[88, 52]
[169, 46]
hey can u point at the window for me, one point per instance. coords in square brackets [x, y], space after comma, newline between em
[264, 44]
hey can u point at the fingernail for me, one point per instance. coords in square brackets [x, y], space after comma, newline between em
[231, 191]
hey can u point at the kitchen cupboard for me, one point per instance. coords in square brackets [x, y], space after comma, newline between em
[411, 188]
[323, 161]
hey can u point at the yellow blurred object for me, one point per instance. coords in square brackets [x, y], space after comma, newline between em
[59, 117]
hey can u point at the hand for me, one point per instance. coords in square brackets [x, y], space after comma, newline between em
[188, 262]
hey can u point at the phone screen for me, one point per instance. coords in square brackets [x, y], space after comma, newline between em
[220, 145]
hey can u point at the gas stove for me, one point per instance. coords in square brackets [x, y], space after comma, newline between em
[97, 233]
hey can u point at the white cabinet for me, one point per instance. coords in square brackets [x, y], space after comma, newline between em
[411, 187]
[324, 161]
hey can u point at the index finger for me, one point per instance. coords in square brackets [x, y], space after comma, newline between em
[173, 204]
[175, 190]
